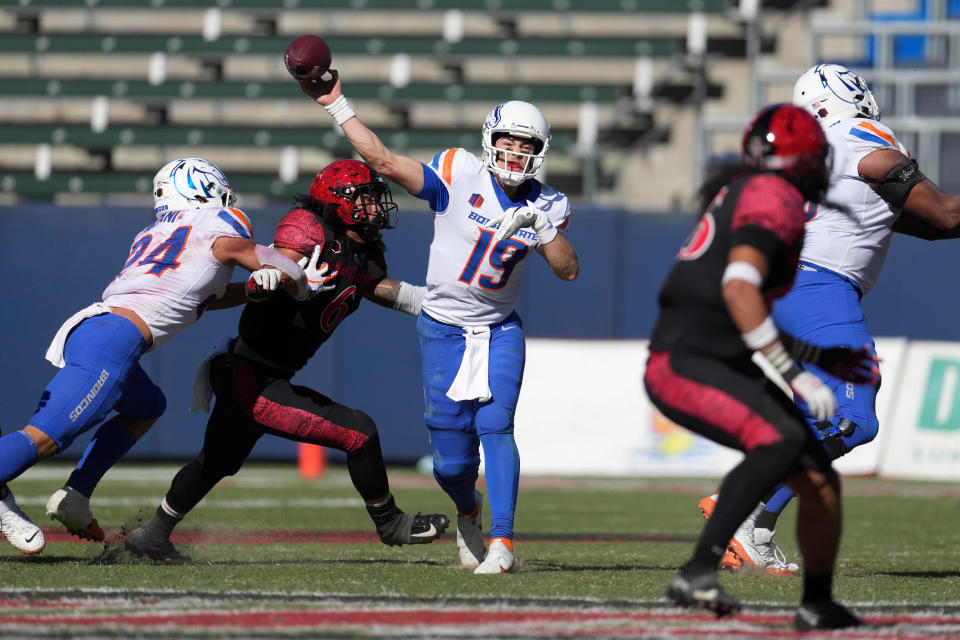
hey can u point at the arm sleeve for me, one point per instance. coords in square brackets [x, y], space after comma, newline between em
[439, 175]
[434, 191]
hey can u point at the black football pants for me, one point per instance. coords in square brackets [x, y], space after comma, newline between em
[251, 400]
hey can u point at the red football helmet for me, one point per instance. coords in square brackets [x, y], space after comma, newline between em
[361, 196]
[787, 140]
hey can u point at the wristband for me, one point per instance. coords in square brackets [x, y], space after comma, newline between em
[409, 299]
[546, 232]
[762, 335]
[782, 362]
[340, 110]
[805, 351]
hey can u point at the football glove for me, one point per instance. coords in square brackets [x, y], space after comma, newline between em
[318, 280]
[263, 282]
[819, 398]
[524, 216]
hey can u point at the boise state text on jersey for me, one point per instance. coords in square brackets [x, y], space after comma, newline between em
[470, 280]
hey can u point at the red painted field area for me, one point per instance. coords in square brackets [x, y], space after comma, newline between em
[185, 614]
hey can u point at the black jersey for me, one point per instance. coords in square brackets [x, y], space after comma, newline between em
[289, 332]
[763, 211]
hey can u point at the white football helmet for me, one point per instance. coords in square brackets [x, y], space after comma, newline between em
[523, 120]
[190, 183]
[830, 92]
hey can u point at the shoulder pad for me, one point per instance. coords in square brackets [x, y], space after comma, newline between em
[236, 221]
[871, 134]
[450, 163]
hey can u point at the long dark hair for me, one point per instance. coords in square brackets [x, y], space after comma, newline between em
[723, 173]
[718, 176]
[328, 213]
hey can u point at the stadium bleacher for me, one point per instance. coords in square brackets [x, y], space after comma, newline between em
[86, 83]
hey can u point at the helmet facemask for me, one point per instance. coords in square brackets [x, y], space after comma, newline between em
[358, 195]
[371, 207]
[519, 120]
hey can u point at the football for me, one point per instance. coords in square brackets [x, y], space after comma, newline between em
[307, 58]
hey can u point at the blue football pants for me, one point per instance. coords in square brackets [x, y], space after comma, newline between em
[458, 429]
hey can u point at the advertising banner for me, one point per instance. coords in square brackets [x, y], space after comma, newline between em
[583, 411]
[924, 442]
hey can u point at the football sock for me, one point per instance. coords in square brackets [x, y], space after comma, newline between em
[385, 513]
[501, 462]
[817, 588]
[778, 502]
[109, 444]
[17, 454]
[367, 471]
[163, 522]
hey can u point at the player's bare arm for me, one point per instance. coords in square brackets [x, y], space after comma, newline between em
[928, 212]
[406, 172]
[234, 296]
[562, 257]
[385, 292]
[744, 299]
[399, 295]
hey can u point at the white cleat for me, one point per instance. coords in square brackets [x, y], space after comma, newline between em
[754, 548]
[20, 531]
[72, 508]
[470, 547]
[500, 558]
[773, 560]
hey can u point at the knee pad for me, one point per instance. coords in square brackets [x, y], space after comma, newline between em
[781, 454]
[219, 466]
[494, 418]
[858, 432]
[159, 406]
[455, 470]
[363, 423]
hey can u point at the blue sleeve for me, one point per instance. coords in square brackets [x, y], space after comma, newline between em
[434, 191]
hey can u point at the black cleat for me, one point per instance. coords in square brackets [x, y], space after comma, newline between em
[830, 615]
[413, 529]
[702, 592]
[141, 544]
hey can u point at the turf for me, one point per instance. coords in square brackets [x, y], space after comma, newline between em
[609, 539]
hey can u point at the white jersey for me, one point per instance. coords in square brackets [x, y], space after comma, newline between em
[470, 282]
[172, 274]
[852, 244]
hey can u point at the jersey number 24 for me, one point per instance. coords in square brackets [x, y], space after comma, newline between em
[162, 256]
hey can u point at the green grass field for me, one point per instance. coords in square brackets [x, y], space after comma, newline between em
[583, 541]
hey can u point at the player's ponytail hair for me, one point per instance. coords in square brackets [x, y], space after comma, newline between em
[719, 176]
